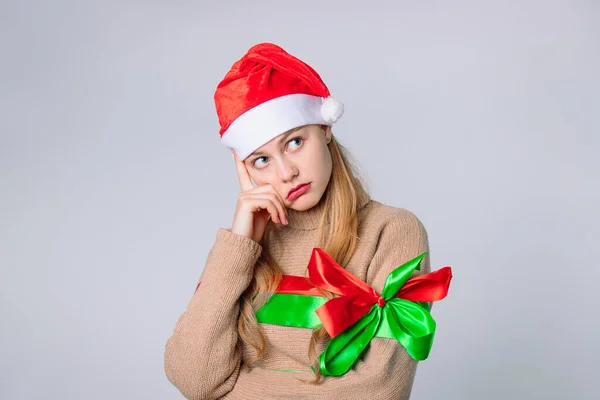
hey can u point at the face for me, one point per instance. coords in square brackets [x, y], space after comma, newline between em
[299, 156]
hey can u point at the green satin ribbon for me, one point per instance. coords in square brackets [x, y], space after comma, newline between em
[403, 320]
[296, 310]
[406, 321]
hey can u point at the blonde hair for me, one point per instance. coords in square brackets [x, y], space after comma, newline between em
[338, 237]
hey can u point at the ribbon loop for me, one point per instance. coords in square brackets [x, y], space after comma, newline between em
[400, 275]
[343, 351]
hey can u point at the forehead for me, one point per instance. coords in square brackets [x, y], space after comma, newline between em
[276, 141]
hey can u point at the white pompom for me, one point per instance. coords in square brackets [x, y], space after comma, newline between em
[331, 110]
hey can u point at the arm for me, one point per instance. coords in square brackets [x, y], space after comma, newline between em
[402, 238]
[202, 358]
[386, 370]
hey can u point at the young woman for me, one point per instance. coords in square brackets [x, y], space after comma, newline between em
[276, 115]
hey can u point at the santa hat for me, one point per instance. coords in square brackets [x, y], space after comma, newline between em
[266, 93]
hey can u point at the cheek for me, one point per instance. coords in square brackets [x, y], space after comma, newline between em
[327, 161]
[255, 178]
[261, 179]
[324, 165]
[329, 166]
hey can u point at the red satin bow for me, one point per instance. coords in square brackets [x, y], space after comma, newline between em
[357, 297]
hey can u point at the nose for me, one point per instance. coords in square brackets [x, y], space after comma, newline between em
[286, 169]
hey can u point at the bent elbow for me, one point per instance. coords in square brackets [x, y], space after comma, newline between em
[192, 378]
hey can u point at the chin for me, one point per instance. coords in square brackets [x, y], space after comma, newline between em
[305, 202]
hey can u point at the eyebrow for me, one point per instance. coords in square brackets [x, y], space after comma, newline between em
[284, 137]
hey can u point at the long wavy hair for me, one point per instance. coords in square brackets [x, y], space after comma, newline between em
[338, 237]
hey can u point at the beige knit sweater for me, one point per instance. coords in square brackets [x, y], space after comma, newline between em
[202, 359]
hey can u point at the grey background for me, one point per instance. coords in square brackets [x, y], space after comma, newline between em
[480, 117]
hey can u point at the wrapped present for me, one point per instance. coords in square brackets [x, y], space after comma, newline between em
[358, 313]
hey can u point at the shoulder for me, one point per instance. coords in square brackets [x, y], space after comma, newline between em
[383, 220]
[396, 235]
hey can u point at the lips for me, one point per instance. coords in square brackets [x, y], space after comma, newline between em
[296, 188]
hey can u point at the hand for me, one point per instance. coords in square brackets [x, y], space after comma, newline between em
[255, 206]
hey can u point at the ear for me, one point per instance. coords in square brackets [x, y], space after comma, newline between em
[327, 131]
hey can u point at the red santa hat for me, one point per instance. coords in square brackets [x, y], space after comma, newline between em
[266, 93]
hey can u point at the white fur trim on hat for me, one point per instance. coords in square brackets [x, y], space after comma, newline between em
[261, 124]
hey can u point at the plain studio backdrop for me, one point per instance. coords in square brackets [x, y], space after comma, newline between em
[479, 117]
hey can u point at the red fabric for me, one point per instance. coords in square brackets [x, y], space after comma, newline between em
[265, 72]
[427, 288]
[356, 299]
[291, 284]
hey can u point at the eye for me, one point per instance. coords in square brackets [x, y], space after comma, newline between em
[259, 158]
[296, 139]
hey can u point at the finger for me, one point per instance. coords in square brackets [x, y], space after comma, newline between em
[265, 201]
[276, 199]
[243, 174]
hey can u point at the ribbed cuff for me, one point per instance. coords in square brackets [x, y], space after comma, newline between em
[231, 261]
[225, 236]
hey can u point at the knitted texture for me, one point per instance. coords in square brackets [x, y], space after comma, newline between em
[202, 358]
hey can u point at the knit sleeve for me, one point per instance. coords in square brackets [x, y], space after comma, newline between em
[385, 370]
[201, 357]
[402, 238]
